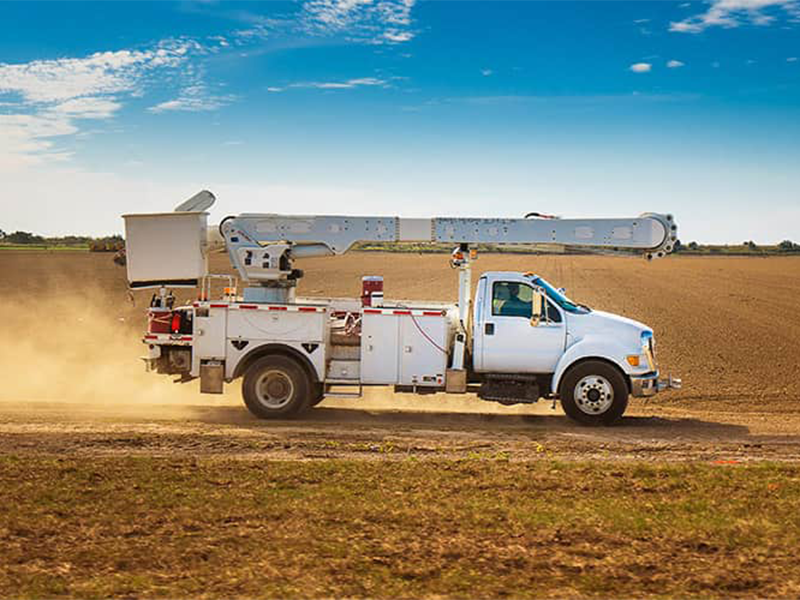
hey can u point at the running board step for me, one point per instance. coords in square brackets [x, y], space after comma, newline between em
[328, 393]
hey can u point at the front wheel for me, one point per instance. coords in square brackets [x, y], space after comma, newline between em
[594, 393]
[276, 387]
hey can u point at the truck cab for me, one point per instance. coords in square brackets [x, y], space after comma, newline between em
[523, 327]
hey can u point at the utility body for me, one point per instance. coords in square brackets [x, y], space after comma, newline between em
[518, 340]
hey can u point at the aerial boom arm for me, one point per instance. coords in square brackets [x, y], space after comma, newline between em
[650, 232]
[261, 246]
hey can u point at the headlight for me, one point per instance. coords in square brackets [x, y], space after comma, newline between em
[649, 348]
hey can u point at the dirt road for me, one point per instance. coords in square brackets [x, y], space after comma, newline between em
[649, 433]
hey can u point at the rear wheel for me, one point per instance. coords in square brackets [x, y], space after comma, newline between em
[317, 394]
[276, 387]
[594, 393]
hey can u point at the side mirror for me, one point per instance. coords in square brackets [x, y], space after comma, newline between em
[536, 308]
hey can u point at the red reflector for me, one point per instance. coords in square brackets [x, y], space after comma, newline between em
[248, 306]
[372, 311]
[176, 322]
[218, 306]
[432, 313]
[277, 308]
[151, 337]
[186, 338]
[307, 309]
[402, 312]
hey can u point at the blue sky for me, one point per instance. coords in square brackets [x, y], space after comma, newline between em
[402, 107]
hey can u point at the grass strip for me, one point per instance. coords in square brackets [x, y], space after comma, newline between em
[143, 526]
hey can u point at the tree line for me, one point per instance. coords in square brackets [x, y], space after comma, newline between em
[26, 238]
[747, 247]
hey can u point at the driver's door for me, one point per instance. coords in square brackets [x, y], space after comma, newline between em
[510, 342]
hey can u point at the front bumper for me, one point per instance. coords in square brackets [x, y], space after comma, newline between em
[650, 384]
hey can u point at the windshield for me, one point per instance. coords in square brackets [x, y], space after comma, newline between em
[560, 298]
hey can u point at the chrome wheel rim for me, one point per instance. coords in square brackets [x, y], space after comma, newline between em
[594, 395]
[274, 389]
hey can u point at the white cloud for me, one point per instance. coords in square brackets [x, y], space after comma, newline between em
[641, 21]
[341, 85]
[87, 108]
[365, 20]
[641, 67]
[194, 98]
[366, 81]
[358, 21]
[220, 40]
[49, 96]
[791, 59]
[396, 13]
[486, 72]
[675, 64]
[732, 13]
[98, 74]
[275, 89]
[335, 13]
[184, 105]
[393, 35]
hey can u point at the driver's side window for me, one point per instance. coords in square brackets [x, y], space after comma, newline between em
[512, 299]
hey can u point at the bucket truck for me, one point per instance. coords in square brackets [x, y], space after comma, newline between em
[518, 340]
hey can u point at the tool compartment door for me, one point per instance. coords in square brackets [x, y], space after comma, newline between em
[380, 341]
[423, 356]
[209, 333]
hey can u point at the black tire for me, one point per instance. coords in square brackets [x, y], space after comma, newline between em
[594, 393]
[276, 387]
[317, 394]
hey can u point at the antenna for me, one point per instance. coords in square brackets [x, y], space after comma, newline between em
[200, 202]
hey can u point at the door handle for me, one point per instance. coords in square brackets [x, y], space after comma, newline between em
[488, 328]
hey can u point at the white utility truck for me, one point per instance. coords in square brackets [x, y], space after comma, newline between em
[519, 340]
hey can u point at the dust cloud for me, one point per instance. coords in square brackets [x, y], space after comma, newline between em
[83, 349]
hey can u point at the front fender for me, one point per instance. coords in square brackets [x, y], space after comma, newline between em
[592, 347]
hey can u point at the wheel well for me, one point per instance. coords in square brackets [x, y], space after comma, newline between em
[275, 350]
[611, 363]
